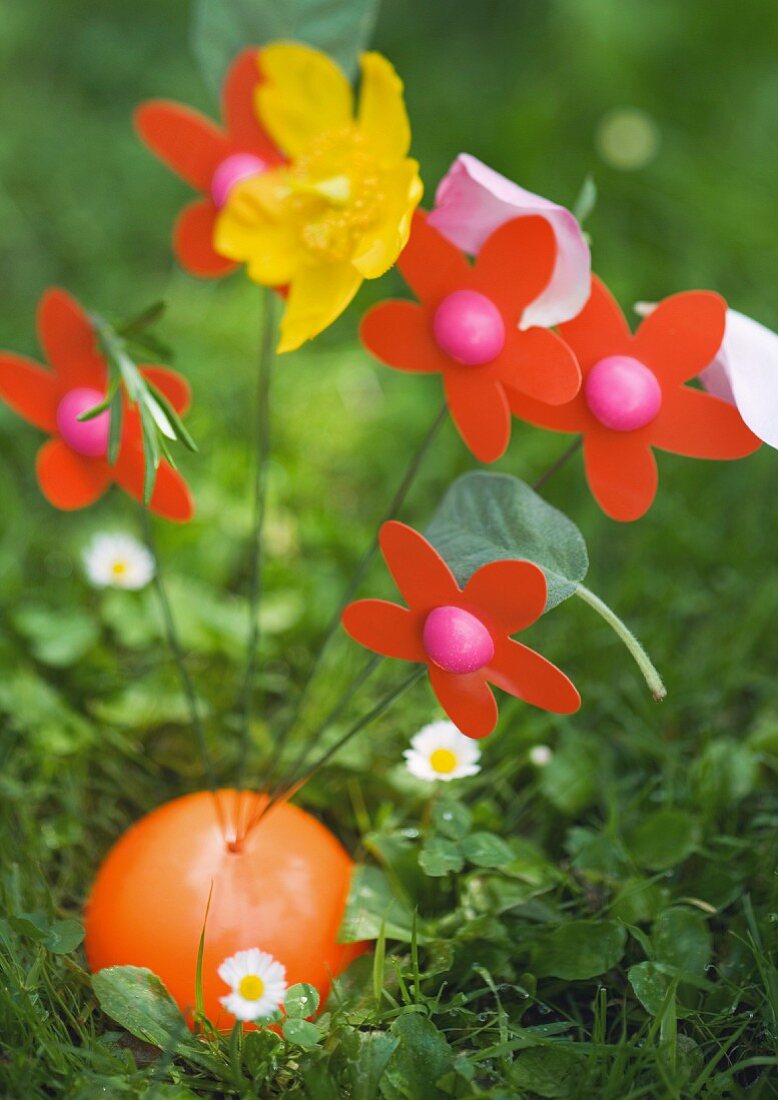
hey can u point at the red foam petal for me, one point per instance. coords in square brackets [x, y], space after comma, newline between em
[432, 266]
[622, 474]
[188, 142]
[420, 573]
[682, 335]
[540, 365]
[69, 341]
[699, 425]
[193, 241]
[69, 480]
[481, 412]
[467, 700]
[238, 107]
[399, 334]
[511, 593]
[572, 417]
[171, 497]
[30, 390]
[385, 628]
[516, 263]
[600, 329]
[526, 674]
[171, 385]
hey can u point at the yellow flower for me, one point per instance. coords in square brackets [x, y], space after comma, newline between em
[340, 210]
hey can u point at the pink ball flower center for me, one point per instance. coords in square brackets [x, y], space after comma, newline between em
[85, 437]
[622, 393]
[457, 641]
[469, 327]
[240, 166]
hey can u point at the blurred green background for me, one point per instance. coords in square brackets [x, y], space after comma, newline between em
[670, 107]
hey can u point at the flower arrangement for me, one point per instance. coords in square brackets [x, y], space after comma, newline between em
[312, 194]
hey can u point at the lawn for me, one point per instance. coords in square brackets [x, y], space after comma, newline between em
[599, 925]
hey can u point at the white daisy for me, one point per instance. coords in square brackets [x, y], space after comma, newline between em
[540, 755]
[258, 984]
[118, 561]
[440, 752]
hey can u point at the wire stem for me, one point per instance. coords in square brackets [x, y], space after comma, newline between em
[563, 459]
[262, 445]
[359, 574]
[641, 658]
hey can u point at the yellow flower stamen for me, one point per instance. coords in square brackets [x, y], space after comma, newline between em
[251, 987]
[119, 568]
[443, 761]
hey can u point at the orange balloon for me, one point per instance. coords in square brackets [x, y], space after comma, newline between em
[282, 889]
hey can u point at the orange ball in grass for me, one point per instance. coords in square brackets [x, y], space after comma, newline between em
[281, 886]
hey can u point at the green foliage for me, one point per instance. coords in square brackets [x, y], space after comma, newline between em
[580, 949]
[486, 517]
[664, 838]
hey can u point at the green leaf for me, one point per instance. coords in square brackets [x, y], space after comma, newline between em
[222, 28]
[570, 781]
[579, 949]
[681, 939]
[301, 1000]
[64, 936]
[586, 200]
[651, 983]
[302, 1033]
[57, 638]
[367, 1054]
[422, 1057]
[451, 819]
[33, 926]
[373, 906]
[487, 850]
[552, 1071]
[439, 856]
[664, 838]
[136, 998]
[725, 773]
[489, 517]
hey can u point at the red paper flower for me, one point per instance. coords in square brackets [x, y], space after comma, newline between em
[72, 467]
[466, 327]
[211, 159]
[462, 635]
[633, 396]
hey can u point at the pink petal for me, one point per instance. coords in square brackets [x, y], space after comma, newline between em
[745, 373]
[472, 200]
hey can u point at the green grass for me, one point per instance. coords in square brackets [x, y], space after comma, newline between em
[654, 824]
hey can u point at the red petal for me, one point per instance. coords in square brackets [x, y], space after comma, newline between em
[622, 474]
[600, 329]
[682, 335]
[432, 266]
[185, 140]
[699, 425]
[516, 263]
[192, 241]
[420, 573]
[171, 497]
[467, 700]
[540, 365]
[171, 385]
[69, 480]
[30, 390]
[399, 334]
[524, 673]
[572, 417]
[481, 412]
[69, 341]
[511, 593]
[240, 116]
[385, 628]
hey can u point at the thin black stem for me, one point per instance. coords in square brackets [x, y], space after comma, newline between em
[574, 447]
[295, 783]
[359, 574]
[176, 649]
[262, 444]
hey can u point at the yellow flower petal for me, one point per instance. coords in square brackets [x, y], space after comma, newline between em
[380, 248]
[253, 229]
[318, 295]
[303, 94]
[383, 118]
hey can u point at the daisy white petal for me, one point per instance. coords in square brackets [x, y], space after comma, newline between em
[118, 561]
[439, 752]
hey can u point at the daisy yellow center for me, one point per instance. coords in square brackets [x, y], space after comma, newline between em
[119, 568]
[251, 987]
[333, 208]
[443, 761]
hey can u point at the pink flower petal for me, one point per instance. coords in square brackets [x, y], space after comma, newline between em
[473, 200]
